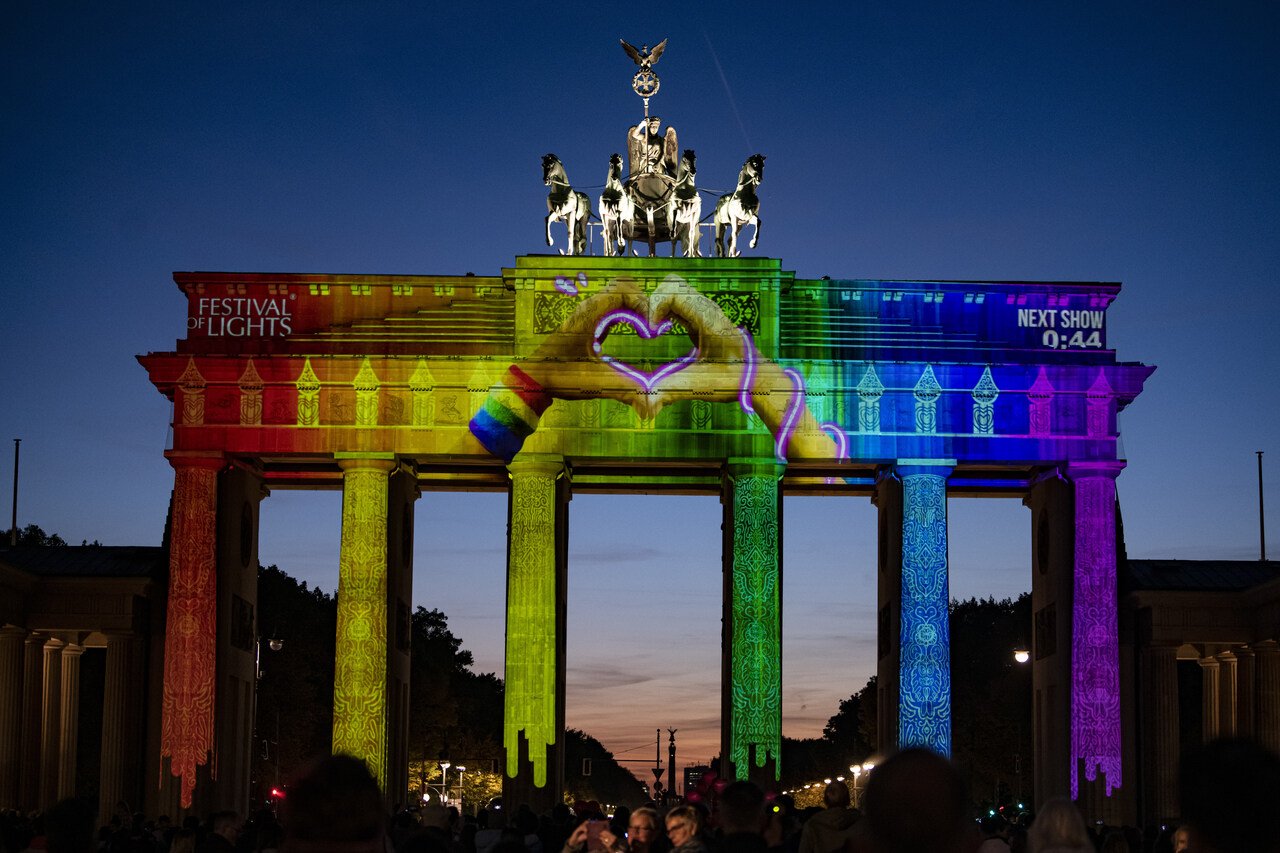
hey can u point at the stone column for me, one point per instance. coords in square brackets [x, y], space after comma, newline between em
[1095, 636]
[32, 718]
[924, 664]
[51, 723]
[10, 713]
[751, 653]
[191, 641]
[1246, 692]
[70, 727]
[533, 711]
[1210, 703]
[1226, 694]
[887, 499]
[360, 666]
[1160, 727]
[115, 723]
[1268, 660]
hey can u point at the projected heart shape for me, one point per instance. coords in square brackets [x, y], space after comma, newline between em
[646, 380]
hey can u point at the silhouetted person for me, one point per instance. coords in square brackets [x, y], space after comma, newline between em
[1059, 828]
[916, 802]
[336, 802]
[830, 828]
[1231, 798]
[224, 832]
[71, 827]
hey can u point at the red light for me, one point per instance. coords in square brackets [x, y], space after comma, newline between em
[277, 794]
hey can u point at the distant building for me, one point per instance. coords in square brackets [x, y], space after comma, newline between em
[693, 774]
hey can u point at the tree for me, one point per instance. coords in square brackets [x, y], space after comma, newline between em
[32, 534]
[608, 783]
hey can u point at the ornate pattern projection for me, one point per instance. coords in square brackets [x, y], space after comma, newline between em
[366, 385]
[1098, 414]
[756, 690]
[251, 386]
[186, 724]
[531, 618]
[870, 390]
[1095, 642]
[984, 404]
[308, 386]
[927, 392]
[421, 384]
[550, 310]
[924, 705]
[192, 385]
[360, 655]
[1040, 405]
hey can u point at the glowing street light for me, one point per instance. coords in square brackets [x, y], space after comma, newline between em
[1021, 655]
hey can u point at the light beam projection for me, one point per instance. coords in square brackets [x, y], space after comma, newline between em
[756, 653]
[1095, 642]
[530, 693]
[360, 653]
[924, 711]
[190, 643]
[646, 380]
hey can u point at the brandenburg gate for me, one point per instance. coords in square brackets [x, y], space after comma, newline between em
[568, 374]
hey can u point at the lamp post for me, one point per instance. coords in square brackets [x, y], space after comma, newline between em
[1020, 656]
[858, 771]
[444, 781]
[461, 770]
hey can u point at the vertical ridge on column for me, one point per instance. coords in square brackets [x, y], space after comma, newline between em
[114, 698]
[360, 666]
[50, 729]
[530, 694]
[10, 712]
[756, 654]
[1095, 637]
[924, 704]
[69, 730]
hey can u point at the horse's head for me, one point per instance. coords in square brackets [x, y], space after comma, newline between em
[755, 166]
[689, 161]
[615, 165]
[549, 164]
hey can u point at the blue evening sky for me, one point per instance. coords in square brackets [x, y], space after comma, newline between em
[1040, 141]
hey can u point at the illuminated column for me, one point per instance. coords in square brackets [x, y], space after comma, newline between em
[888, 502]
[360, 666]
[533, 713]
[51, 722]
[924, 662]
[751, 683]
[1226, 694]
[1160, 725]
[1095, 637]
[32, 717]
[69, 730]
[115, 723]
[1268, 727]
[10, 713]
[1246, 692]
[190, 646]
[1209, 703]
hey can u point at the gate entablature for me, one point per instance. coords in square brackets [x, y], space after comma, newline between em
[291, 368]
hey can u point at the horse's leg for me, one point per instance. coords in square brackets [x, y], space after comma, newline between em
[549, 243]
[755, 235]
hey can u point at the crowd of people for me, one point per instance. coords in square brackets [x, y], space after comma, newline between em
[915, 802]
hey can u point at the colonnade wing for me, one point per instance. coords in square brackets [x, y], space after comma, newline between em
[660, 375]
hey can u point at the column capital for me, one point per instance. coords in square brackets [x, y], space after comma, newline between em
[53, 644]
[210, 459]
[749, 466]
[547, 464]
[1081, 469]
[364, 461]
[1267, 647]
[1208, 663]
[14, 631]
[1227, 656]
[914, 467]
[72, 650]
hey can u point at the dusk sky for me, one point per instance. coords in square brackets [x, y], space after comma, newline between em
[988, 141]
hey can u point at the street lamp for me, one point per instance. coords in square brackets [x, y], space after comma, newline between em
[444, 781]
[1021, 655]
[461, 770]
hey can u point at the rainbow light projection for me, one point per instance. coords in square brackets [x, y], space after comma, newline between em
[360, 654]
[995, 378]
[924, 704]
[756, 654]
[530, 695]
[1095, 666]
[190, 650]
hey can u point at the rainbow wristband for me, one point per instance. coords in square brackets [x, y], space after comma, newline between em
[510, 414]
